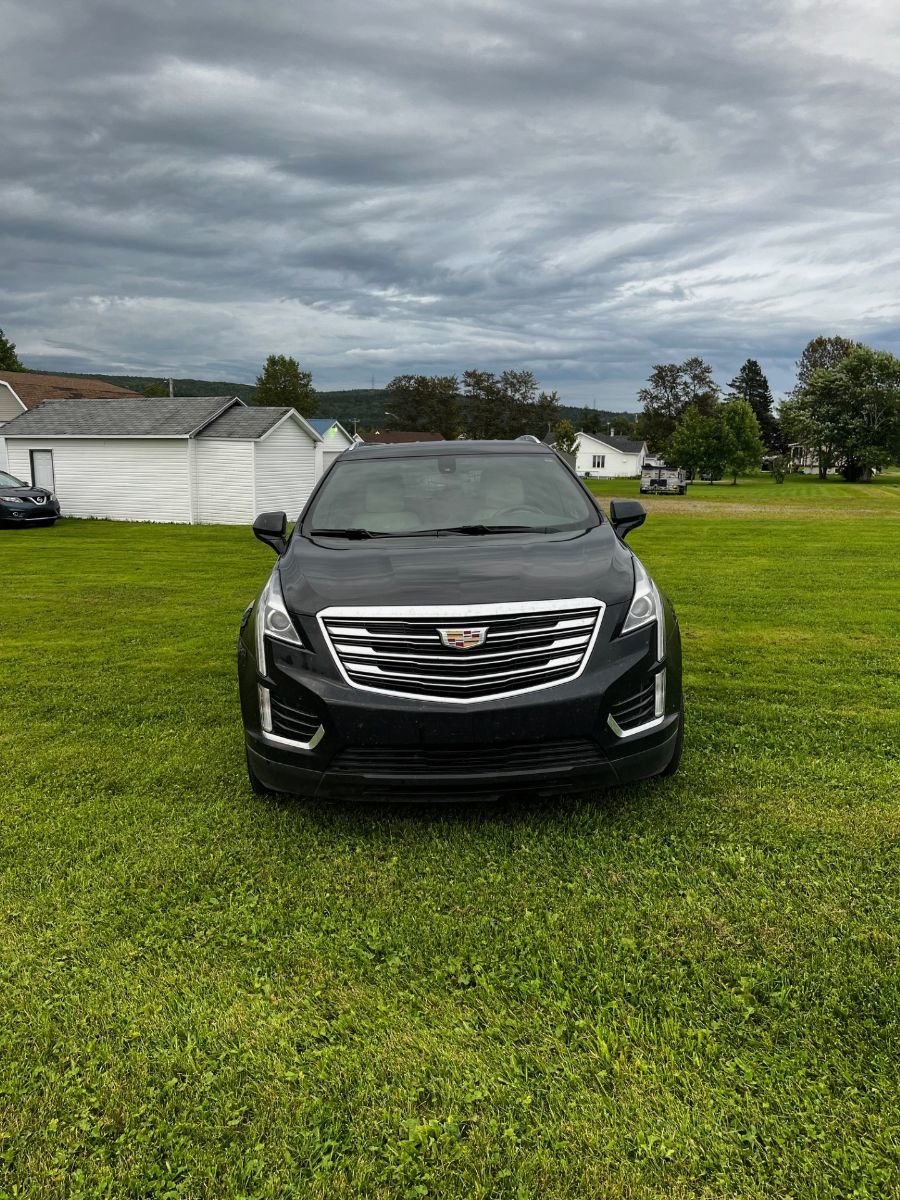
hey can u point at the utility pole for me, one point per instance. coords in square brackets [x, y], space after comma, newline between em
[354, 420]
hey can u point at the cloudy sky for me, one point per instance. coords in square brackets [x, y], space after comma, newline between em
[584, 188]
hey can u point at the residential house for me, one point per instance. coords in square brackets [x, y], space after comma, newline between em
[607, 456]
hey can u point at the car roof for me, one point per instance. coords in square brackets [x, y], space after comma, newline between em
[431, 449]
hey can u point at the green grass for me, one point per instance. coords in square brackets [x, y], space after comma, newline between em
[680, 990]
[797, 491]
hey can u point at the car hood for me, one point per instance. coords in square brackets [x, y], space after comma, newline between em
[453, 570]
[25, 493]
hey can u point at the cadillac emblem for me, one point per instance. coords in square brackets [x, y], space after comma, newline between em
[463, 639]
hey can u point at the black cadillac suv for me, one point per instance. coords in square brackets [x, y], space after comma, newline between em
[458, 620]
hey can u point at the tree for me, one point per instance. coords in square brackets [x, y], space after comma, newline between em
[152, 390]
[9, 360]
[690, 443]
[703, 444]
[821, 354]
[699, 387]
[518, 392]
[546, 414]
[503, 406]
[854, 411]
[714, 447]
[663, 403]
[742, 447]
[781, 464]
[426, 403]
[800, 424]
[672, 387]
[565, 438]
[485, 415]
[750, 384]
[590, 421]
[281, 383]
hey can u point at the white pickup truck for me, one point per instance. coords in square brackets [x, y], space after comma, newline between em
[657, 478]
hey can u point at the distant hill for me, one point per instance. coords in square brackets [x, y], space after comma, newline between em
[183, 387]
[364, 405]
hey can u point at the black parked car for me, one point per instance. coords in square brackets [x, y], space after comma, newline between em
[457, 619]
[22, 504]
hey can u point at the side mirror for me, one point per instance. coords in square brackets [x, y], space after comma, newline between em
[626, 515]
[271, 528]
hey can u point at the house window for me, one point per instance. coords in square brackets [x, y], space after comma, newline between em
[599, 462]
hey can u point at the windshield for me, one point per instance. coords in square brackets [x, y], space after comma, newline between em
[458, 493]
[11, 481]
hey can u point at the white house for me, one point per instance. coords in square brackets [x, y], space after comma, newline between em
[335, 440]
[200, 460]
[609, 456]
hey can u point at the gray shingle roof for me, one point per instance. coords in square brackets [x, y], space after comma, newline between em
[626, 445]
[243, 423]
[117, 418]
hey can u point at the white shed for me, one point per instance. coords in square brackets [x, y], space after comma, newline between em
[609, 456]
[200, 460]
[335, 440]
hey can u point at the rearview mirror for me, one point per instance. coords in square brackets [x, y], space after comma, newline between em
[626, 515]
[271, 528]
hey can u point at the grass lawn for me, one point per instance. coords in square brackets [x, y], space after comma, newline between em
[677, 990]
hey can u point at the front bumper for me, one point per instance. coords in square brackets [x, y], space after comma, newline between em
[283, 773]
[29, 514]
[380, 747]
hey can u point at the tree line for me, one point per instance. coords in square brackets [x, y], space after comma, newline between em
[477, 404]
[844, 409]
[485, 404]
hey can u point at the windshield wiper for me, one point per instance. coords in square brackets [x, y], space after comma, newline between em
[465, 530]
[357, 534]
[475, 530]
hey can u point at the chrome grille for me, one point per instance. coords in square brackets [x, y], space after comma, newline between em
[635, 710]
[455, 761]
[400, 651]
[290, 720]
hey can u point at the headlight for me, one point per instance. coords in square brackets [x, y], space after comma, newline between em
[273, 620]
[646, 606]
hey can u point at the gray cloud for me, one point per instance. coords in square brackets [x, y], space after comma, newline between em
[585, 189]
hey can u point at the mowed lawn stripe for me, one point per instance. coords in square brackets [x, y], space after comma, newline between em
[683, 989]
